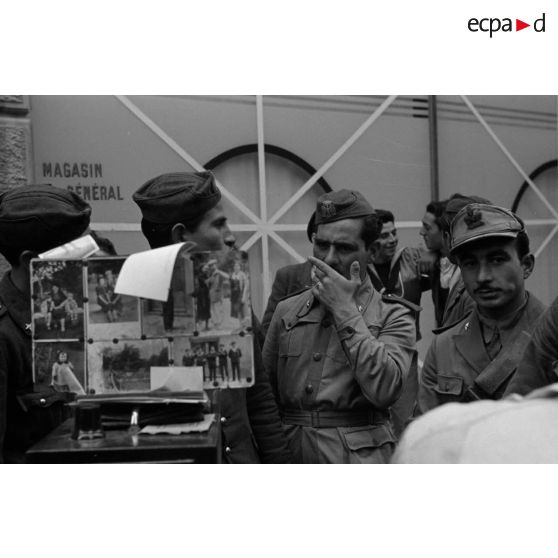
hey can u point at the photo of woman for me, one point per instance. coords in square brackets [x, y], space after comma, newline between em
[63, 377]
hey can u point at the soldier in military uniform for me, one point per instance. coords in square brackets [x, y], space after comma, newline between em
[475, 358]
[33, 219]
[180, 207]
[338, 353]
[405, 272]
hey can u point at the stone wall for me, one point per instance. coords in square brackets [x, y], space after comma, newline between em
[16, 157]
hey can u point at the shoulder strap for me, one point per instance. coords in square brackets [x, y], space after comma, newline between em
[503, 366]
[397, 299]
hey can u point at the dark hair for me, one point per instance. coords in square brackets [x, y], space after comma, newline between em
[11, 255]
[522, 244]
[437, 209]
[160, 234]
[384, 216]
[454, 205]
[104, 244]
[371, 228]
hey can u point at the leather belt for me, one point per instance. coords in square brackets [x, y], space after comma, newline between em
[328, 419]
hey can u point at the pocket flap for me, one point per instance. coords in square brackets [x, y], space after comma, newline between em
[368, 437]
[451, 385]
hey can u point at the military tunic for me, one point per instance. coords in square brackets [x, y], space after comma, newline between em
[457, 366]
[324, 374]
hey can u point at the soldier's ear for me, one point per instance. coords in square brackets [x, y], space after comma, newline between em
[179, 233]
[25, 257]
[528, 264]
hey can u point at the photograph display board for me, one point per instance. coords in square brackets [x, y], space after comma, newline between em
[92, 341]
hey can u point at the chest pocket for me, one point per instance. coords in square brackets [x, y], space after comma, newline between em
[291, 342]
[449, 385]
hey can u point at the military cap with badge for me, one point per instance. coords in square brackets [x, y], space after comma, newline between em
[479, 220]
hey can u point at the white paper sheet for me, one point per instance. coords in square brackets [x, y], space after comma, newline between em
[81, 247]
[202, 426]
[148, 274]
[177, 378]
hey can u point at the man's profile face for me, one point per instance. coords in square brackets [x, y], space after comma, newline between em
[431, 233]
[212, 232]
[494, 275]
[385, 246]
[339, 244]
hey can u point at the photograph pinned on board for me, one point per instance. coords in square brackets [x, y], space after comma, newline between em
[60, 365]
[57, 299]
[226, 361]
[125, 366]
[222, 291]
[110, 315]
[176, 315]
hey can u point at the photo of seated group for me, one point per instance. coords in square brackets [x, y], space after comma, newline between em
[57, 298]
[90, 340]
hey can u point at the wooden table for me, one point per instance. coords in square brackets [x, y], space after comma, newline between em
[120, 446]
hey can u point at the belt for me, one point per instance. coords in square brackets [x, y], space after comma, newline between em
[328, 419]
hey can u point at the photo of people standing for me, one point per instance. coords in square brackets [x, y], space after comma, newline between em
[222, 292]
[225, 361]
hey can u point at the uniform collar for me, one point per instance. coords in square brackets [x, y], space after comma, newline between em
[17, 304]
[506, 322]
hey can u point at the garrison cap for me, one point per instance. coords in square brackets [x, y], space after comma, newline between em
[481, 220]
[177, 197]
[40, 217]
[342, 204]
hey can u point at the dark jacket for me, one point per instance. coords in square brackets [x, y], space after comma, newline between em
[289, 280]
[251, 425]
[24, 419]
[458, 304]
[539, 365]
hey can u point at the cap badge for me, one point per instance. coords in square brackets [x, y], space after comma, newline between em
[327, 209]
[473, 219]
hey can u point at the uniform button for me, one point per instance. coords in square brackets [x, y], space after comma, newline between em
[360, 307]
[317, 357]
[228, 450]
[42, 401]
[350, 330]
[309, 388]
[223, 420]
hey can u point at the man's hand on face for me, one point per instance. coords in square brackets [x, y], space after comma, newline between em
[333, 290]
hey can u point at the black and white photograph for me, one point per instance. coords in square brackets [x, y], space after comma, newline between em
[225, 361]
[60, 366]
[124, 367]
[222, 292]
[57, 291]
[176, 315]
[382, 263]
[110, 315]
